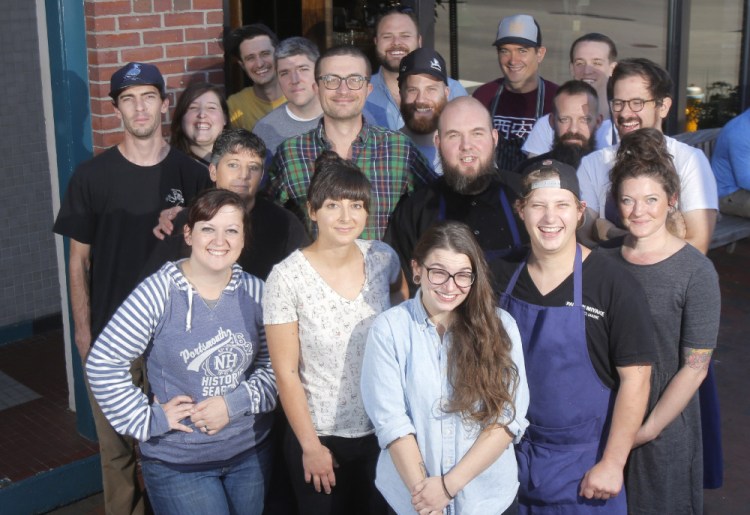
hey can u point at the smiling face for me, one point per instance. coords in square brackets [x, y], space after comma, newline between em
[343, 103]
[591, 64]
[216, 243]
[652, 114]
[297, 80]
[339, 222]
[256, 58]
[423, 98]
[644, 206]
[204, 120]
[140, 108]
[240, 172]
[396, 37]
[551, 218]
[440, 300]
[520, 66]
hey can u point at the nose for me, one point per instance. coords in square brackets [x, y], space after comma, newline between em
[295, 77]
[345, 213]
[201, 113]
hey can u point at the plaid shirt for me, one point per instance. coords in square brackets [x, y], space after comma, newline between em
[389, 159]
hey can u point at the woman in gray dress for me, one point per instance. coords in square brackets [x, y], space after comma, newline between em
[665, 471]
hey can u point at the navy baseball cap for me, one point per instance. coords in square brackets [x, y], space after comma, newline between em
[422, 60]
[567, 178]
[136, 74]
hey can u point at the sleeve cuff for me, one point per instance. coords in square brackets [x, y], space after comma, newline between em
[158, 425]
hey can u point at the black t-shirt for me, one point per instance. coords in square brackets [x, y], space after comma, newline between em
[483, 212]
[619, 327]
[274, 234]
[113, 205]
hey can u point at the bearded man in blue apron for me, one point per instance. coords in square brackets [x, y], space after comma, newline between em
[588, 344]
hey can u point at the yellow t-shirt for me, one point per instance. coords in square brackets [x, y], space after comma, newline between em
[245, 108]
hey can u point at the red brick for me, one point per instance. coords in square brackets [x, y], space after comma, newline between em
[105, 123]
[161, 6]
[97, 57]
[100, 23]
[144, 53]
[180, 82]
[182, 5]
[99, 89]
[202, 33]
[205, 5]
[152, 21]
[214, 48]
[102, 107]
[171, 66]
[205, 63]
[143, 6]
[186, 50]
[100, 8]
[113, 40]
[215, 18]
[163, 36]
[182, 19]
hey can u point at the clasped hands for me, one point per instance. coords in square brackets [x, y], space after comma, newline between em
[210, 415]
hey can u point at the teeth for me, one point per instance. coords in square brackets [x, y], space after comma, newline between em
[550, 229]
[468, 159]
[217, 252]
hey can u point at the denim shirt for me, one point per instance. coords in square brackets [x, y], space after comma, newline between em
[381, 109]
[404, 381]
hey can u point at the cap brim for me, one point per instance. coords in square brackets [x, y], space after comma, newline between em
[426, 71]
[516, 41]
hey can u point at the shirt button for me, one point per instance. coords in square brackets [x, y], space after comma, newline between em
[476, 233]
[473, 202]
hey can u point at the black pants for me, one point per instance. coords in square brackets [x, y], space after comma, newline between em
[355, 491]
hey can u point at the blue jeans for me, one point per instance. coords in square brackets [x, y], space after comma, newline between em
[238, 489]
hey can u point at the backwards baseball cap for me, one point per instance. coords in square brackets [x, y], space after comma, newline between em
[520, 29]
[422, 60]
[136, 74]
[566, 179]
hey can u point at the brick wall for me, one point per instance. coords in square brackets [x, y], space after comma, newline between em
[181, 37]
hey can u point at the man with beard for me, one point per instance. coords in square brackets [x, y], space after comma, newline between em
[641, 95]
[396, 35]
[470, 190]
[254, 46]
[424, 94]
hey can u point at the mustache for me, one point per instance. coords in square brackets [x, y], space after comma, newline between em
[574, 136]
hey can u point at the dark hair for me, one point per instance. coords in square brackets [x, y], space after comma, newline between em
[290, 47]
[207, 203]
[336, 178]
[660, 84]
[340, 50]
[400, 9]
[235, 140]
[480, 369]
[596, 38]
[577, 87]
[234, 38]
[178, 138]
[644, 153]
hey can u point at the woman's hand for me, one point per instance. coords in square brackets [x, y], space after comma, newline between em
[210, 415]
[318, 465]
[177, 408]
[428, 496]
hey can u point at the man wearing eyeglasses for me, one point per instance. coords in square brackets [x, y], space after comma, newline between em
[641, 93]
[388, 158]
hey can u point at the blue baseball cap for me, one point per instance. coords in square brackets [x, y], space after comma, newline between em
[136, 74]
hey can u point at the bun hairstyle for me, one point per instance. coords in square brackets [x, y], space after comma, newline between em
[644, 153]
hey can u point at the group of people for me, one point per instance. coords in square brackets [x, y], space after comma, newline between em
[390, 301]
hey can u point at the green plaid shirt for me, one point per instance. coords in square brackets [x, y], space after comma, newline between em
[388, 158]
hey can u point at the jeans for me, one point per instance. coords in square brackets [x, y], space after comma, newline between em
[237, 489]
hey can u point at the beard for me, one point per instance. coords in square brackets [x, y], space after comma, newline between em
[565, 151]
[421, 124]
[469, 184]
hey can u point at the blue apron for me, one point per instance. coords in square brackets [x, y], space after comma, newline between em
[489, 255]
[570, 406]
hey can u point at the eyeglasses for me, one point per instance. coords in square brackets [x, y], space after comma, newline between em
[438, 277]
[635, 104]
[353, 82]
[395, 7]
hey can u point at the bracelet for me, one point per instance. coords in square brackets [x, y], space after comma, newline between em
[445, 489]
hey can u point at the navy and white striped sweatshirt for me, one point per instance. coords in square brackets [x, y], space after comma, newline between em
[190, 349]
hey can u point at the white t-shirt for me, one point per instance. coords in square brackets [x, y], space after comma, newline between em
[542, 136]
[332, 333]
[697, 183]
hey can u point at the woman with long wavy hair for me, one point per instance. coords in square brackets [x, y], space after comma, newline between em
[443, 382]
[199, 117]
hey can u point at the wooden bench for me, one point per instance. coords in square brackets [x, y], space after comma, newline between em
[729, 229]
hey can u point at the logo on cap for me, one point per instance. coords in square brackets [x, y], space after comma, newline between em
[133, 72]
[435, 64]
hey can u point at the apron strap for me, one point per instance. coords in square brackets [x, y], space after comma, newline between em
[511, 219]
[578, 277]
[496, 101]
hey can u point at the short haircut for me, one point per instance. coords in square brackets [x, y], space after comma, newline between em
[403, 10]
[336, 178]
[644, 153]
[178, 138]
[596, 38]
[236, 140]
[234, 38]
[290, 47]
[577, 87]
[343, 50]
[206, 204]
[660, 84]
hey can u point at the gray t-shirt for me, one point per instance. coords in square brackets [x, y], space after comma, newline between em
[278, 126]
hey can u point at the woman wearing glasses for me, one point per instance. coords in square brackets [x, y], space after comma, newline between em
[443, 381]
[317, 307]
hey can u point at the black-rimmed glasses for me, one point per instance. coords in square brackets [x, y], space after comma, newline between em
[438, 277]
[635, 104]
[353, 82]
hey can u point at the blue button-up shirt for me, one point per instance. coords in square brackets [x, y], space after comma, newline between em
[404, 384]
[381, 109]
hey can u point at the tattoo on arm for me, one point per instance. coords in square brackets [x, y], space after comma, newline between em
[423, 469]
[697, 359]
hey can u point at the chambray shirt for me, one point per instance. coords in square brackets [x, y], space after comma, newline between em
[404, 382]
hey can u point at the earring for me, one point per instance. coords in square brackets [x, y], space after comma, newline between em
[417, 278]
